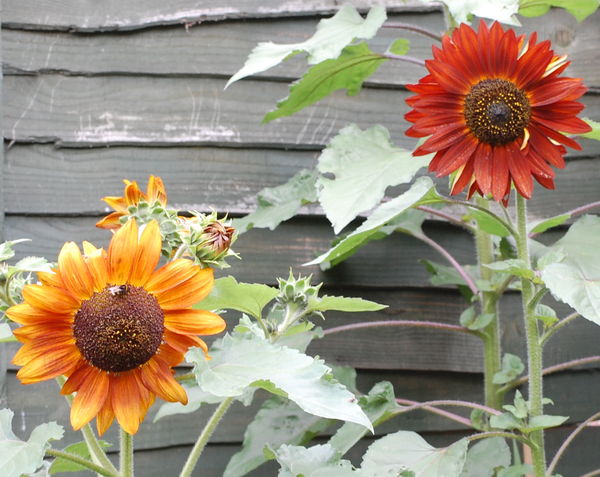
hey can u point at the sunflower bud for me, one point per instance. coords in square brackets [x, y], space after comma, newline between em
[296, 290]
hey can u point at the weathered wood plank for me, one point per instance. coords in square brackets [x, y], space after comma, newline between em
[102, 111]
[211, 48]
[42, 179]
[86, 16]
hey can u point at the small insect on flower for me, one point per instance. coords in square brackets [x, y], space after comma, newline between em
[495, 111]
[118, 290]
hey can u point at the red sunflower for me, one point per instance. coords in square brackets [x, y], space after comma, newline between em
[493, 105]
[114, 326]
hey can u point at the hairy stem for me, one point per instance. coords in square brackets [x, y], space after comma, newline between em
[415, 323]
[583, 209]
[534, 348]
[563, 447]
[435, 410]
[413, 28]
[98, 469]
[489, 305]
[508, 435]
[444, 215]
[204, 436]
[126, 453]
[450, 402]
[407, 59]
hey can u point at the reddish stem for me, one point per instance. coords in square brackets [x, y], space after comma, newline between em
[421, 324]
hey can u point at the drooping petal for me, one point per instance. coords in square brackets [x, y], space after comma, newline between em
[127, 401]
[47, 365]
[194, 322]
[187, 293]
[90, 398]
[157, 377]
[105, 417]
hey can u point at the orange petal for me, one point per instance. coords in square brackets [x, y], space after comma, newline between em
[111, 221]
[105, 417]
[187, 293]
[156, 190]
[148, 254]
[97, 264]
[194, 322]
[44, 332]
[52, 299]
[157, 377]
[90, 397]
[41, 347]
[133, 194]
[76, 378]
[25, 314]
[52, 278]
[121, 253]
[50, 365]
[171, 275]
[175, 346]
[128, 402]
[117, 203]
[74, 272]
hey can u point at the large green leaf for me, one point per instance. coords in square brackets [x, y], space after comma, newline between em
[342, 303]
[80, 449]
[405, 450]
[229, 294]
[278, 422]
[278, 204]
[485, 456]
[354, 65]
[23, 457]
[580, 9]
[317, 460]
[332, 35]
[364, 164]
[381, 216]
[576, 280]
[501, 10]
[241, 362]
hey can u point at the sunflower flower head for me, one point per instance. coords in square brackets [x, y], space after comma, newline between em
[114, 325]
[495, 111]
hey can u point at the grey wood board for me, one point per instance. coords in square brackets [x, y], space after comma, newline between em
[109, 110]
[77, 15]
[570, 392]
[42, 179]
[222, 48]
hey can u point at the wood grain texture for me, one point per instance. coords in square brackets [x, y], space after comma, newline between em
[87, 15]
[221, 48]
[42, 179]
[103, 111]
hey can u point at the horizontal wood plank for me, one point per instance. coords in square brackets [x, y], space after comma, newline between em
[103, 111]
[42, 179]
[211, 48]
[87, 15]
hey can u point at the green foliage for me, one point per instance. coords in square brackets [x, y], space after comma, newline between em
[519, 470]
[489, 223]
[383, 215]
[278, 422]
[6, 334]
[364, 164]
[576, 280]
[278, 204]
[474, 321]
[23, 457]
[332, 35]
[580, 9]
[404, 450]
[299, 461]
[79, 449]
[501, 10]
[595, 132]
[486, 456]
[244, 361]
[6, 249]
[517, 414]
[341, 303]
[516, 267]
[400, 47]
[196, 397]
[512, 367]
[546, 315]
[229, 294]
[348, 71]
[546, 224]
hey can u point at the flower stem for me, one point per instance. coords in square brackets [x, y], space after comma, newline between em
[509, 435]
[435, 410]
[204, 436]
[98, 469]
[534, 348]
[449, 402]
[489, 305]
[96, 452]
[415, 323]
[413, 28]
[408, 59]
[126, 453]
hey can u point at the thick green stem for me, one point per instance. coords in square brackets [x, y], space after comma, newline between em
[98, 469]
[126, 453]
[534, 348]
[96, 452]
[204, 436]
[489, 304]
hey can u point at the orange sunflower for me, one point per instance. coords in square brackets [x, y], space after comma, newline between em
[114, 326]
[132, 196]
[493, 105]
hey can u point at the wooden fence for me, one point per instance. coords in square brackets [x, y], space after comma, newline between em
[94, 92]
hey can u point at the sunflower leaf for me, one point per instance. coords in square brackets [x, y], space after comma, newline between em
[229, 294]
[486, 456]
[546, 224]
[19, 457]
[80, 449]
[576, 280]
[580, 9]
[365, 164]
[374, 226]
[242, 362]
[332, 35]
[501, 10]
[277, 204]
[341, 303]
[354, 65]
[320, 459]
[595, 132]
[6, 249]
[278, 422]
[405, 450]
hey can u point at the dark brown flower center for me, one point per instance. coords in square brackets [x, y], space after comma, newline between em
[119, 328]
[496, 111]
